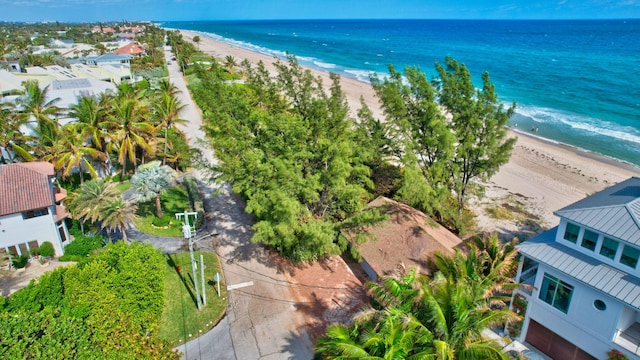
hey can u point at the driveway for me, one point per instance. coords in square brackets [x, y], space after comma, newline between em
[262, 319]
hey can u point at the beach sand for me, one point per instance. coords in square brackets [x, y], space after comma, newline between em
[541, 176]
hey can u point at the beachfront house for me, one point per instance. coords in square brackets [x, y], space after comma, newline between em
[31, 210]
[584, 298]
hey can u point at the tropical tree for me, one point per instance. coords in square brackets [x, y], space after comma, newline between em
[85, 203]
[70, 151]
[92, 115]
[230, 63]
[117, 214]
[479, 124]
[384, 334]
[35, 105]
[12, 140]
[166, 110]
[130, 129]
[196, 39]
[466, 295]
[150, 180]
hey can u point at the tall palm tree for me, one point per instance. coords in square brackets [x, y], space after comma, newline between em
[130, 130]
[166, 110]
[34, 104]
[12, 140]
[92, 115]
[70, 151]
[116, 214]
[230, 63]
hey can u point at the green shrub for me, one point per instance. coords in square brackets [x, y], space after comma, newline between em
[20, 262]
[47, 250]
[69, 258]
[162, 222]
[35, 252]
[83, 245]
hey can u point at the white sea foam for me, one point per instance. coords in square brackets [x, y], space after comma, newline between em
[589, 126]
[360, 75]
[324, 65]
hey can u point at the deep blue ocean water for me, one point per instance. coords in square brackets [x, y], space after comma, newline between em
[576, 81]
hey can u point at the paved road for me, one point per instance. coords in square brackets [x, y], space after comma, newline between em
[261, 316]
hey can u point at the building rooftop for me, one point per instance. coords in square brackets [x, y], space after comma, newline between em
[614, 211]
[25, 186]
[616, 283]
[407, 239]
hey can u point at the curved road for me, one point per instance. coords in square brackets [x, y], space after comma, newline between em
[261, 315]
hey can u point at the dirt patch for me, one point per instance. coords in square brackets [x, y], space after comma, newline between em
[327, 292]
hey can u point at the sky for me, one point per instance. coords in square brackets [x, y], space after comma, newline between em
[166, 10]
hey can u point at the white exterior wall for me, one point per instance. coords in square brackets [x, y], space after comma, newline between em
[584, 326]
[15, 230]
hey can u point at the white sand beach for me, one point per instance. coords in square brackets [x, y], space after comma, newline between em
[545, 176]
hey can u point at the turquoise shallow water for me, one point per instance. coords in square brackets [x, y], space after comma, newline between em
[577, 82]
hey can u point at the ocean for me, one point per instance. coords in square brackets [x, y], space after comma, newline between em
[576, 81]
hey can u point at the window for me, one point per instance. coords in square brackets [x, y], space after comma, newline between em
[556, 293]
[571, 232]
[600, 305]
[35, 213]
[589, 240]
[609, 248]
[630, 256]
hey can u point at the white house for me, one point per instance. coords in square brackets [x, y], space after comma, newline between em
[31, 210]
[585, 299]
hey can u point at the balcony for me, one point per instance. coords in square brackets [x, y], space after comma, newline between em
[629, 339]
[61, 213]
[59, 194]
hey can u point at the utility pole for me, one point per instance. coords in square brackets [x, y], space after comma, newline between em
[186, 230]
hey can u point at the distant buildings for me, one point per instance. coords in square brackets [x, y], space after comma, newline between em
[584, 298]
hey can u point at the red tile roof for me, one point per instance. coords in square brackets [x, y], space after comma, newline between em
[131, 49]
[25, 186]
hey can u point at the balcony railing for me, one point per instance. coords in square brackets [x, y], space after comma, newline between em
[629, 339]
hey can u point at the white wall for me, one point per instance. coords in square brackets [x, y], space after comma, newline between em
[14, 230]
[584, 326]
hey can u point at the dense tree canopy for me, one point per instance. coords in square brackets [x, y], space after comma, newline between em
[286, 144]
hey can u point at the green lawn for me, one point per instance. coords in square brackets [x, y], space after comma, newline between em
[180, 317]
[174, 200]
[123, 186]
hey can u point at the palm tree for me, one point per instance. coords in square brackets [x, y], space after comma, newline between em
[92, 115]
[86, 201]
[167, 109]
[69, 151]
[12, 140]
[230, 63]
[42, 112]
[386, 334]
[130, 130]
[466, 296]
[457, 319]
[116, 214]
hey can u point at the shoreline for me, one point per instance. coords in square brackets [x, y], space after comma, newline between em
[545, 175]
